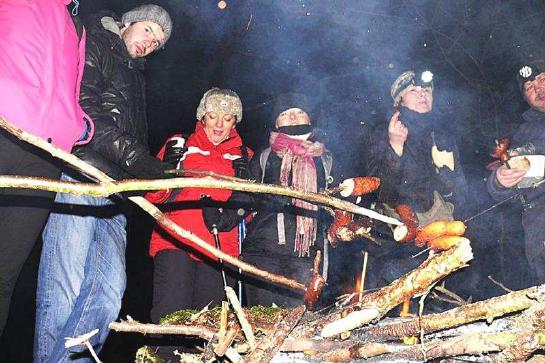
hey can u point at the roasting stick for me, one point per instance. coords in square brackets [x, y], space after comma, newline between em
[363, 272]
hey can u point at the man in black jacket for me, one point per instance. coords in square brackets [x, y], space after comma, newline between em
[508, 180]
[82, 269]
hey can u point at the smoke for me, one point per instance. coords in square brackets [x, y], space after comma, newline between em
[344, 56]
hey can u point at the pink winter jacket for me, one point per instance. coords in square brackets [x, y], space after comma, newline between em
[41, 64]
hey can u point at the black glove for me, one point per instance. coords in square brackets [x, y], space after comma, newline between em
[174, 151]
[240, 166]
[211, 217]
[149, 167]
[224, 219]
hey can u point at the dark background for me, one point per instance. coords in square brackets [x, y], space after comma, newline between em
[344, 55]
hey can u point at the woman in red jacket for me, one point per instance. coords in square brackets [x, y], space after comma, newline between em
[185, 276]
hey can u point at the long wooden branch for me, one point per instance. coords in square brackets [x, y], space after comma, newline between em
[136, 327]
[104, 190]
[469, 344]
[101, 190]
[481, 310]
[414, 283]
[165, 222]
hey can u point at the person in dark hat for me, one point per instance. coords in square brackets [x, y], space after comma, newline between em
[506, 180]
[417, 162]
[284, 233]
[82, 276]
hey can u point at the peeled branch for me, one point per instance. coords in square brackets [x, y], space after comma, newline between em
[438, 229]
[359, 186]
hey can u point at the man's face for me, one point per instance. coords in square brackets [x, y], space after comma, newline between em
[534, 92]
[292, 117]
[142, 37]
[418, 99]
[218, 126]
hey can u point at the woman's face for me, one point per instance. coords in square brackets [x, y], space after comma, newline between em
[218, 126]
[292, 117]
[418, 99]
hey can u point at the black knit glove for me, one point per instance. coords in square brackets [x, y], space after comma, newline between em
[211, 217]
[174, 151]
[224, 219]
[240, 166]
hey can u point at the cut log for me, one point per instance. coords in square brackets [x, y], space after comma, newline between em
[518, 350]
[481, 310]
[469, 344]
[414, 283]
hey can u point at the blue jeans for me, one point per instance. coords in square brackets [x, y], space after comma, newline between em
[81, 279]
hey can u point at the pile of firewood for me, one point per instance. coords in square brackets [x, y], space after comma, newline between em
[505, 329]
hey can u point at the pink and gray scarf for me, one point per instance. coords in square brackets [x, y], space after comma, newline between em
[297, 159]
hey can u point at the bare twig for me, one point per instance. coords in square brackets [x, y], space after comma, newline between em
[83, 340]
[363, 272]
[245, 325]
[442, 289]
[226, 341]
[136, 327]
[499, 284]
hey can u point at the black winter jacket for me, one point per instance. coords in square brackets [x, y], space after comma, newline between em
[262, 231]
[412, 178]
[113, 95]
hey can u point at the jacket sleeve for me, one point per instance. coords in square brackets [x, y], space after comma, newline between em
[496, 191]
[461, 196]
[160, 196]
[384, 163]
[109, 141]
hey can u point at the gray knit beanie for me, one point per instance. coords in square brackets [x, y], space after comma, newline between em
[220, 100]
[150, 12]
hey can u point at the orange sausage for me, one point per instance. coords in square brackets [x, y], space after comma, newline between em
[359, 186]
[439, 228]
[445, 242]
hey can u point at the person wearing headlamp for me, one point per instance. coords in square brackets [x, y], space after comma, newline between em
[418, 164]
[417, 161]
[529, 139]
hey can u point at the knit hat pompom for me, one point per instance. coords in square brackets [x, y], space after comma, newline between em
[220, 100]
[150, 12]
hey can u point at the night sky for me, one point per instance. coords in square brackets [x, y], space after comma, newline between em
[343, 55]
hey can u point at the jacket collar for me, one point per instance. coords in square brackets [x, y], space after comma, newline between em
[533, 115]
[104, 24]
